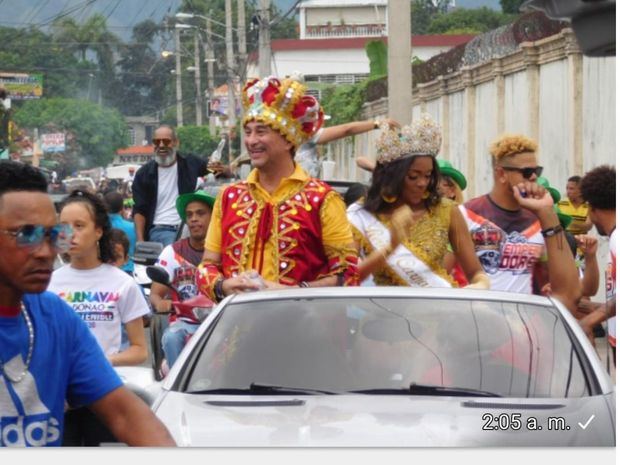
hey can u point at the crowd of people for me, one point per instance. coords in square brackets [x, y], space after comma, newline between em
[62, 330]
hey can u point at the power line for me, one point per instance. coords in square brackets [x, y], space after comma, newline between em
[35, 24]
[35, 11]
[54, 44]
[60, 15]
[139, 11]
[113, 9]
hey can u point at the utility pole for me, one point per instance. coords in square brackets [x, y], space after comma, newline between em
[230, 65]
[264, 40]
[199, 104]
[243, 51]
[210, 56]
[177, 54]
[399, 60]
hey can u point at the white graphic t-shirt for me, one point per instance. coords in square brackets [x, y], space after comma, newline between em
[104, 297]
[180, 261]
[507, 243]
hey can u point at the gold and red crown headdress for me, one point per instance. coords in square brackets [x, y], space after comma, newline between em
[284, 106]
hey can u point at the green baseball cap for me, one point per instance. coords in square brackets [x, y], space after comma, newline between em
[446, 169]
[198, 196]
[555, 194]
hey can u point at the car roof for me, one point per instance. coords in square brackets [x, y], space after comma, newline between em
[391, 291]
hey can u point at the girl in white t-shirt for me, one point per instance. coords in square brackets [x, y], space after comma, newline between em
[103, 295]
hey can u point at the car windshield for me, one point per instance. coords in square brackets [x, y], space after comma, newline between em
[389, 345]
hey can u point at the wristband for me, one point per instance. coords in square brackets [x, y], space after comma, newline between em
[376, 124]
[304, 284]
[218, 290]
[549, 232]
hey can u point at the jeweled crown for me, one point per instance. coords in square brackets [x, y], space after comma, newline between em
[284, 106]
[422, 137]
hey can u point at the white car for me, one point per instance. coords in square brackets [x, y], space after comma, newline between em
[387, 366]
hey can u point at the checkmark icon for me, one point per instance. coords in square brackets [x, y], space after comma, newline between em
[584, 426]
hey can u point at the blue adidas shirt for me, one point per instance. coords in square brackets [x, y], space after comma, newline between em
[67, 363]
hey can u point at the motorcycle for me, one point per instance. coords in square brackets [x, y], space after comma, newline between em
[195, 308]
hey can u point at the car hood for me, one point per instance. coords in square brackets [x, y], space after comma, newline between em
[377, 420]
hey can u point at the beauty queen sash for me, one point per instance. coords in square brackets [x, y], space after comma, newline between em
[402, 261]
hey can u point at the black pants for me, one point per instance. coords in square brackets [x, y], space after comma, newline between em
[83, 428]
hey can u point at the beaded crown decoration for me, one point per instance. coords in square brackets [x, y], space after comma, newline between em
[284, 106]
[422, 137]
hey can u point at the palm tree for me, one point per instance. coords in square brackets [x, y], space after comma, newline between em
[92, 35]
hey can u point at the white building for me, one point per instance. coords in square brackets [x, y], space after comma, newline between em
[322, 19]
[332, 38]
[341, 60]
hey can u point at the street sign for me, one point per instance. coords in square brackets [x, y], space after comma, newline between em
[22, 86]
[54, 142]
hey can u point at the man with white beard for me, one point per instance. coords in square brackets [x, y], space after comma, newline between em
[157, 185]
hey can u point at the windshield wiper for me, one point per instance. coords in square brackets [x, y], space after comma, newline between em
[271, 388]
[429, 390]
[263, 389]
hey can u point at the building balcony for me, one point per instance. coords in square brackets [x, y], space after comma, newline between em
[328, 31]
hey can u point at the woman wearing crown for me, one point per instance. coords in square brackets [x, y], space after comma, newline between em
[404, 227]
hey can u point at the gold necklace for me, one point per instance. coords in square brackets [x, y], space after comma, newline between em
[22, 375]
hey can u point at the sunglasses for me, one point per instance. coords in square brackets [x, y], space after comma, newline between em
[526, 172]
[32, 235]
[165, 142]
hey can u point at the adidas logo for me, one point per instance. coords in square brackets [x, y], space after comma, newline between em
[24, 419]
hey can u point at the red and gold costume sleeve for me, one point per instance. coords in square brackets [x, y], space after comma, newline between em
[207, 276]
[338, 240]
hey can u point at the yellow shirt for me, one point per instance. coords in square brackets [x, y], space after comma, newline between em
[428, 240]
[336, 231]
[579, 214]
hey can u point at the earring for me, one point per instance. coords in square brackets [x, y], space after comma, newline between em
[388, 198]
[426, 195]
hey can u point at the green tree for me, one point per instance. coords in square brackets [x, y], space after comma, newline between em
[196, 140]
[92, 35]
[510, 6]
[377, 53]
[480, 20]
[32, 51]
[344, 102]
[143, 82]
[423, 12]
[94, 132]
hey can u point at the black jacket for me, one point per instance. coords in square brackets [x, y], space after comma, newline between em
[144, 187]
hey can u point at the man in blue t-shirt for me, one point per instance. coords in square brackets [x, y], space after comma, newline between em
[47, 354]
